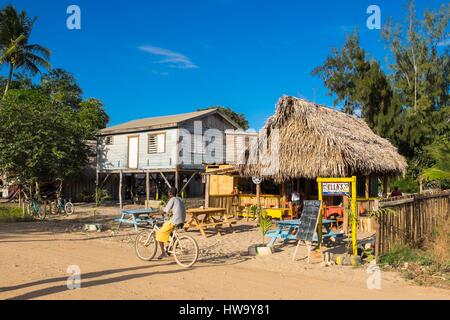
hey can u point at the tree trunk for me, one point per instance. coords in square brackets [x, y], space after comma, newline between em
[8, 83]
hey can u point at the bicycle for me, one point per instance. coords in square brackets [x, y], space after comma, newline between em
[183, 247]
[35, 209]
[63, 205]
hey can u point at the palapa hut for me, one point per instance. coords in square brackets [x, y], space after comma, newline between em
[316, 141]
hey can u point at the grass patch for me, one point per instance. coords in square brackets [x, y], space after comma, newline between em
[399, 255]
[9, 213]
[427, 266]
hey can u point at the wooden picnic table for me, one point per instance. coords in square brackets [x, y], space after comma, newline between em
[209, 217]
[286, 231]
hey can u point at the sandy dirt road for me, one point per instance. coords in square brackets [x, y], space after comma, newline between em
[34, 262]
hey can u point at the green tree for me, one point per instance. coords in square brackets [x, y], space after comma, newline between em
[92, 117]
[39, 140]
[420, 78]
[359, 85]
[15, 31]
[21, 80]
[420, 72]
[239, 118]
[62, 88]
[410, 104]
[439, 171]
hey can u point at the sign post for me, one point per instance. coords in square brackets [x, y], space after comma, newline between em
[339, 187]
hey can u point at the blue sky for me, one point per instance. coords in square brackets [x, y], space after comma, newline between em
[146, 58]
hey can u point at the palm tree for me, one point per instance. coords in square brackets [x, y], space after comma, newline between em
[15, 31]
[440, 154]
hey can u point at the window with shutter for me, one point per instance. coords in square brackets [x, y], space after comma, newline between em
[109, 140]
[156, 143]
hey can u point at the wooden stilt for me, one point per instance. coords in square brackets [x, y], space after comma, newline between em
[207, 190]
[120, 189]
[189, 181]
[147, 189]
[97, 176]
[165, 179]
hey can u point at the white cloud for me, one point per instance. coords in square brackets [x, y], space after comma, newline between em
[171, 58]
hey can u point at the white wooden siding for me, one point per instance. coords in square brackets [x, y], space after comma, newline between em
[115, 156]
[188, 148]
[177, 146]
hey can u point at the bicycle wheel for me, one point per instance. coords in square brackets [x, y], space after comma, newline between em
[69, 208]
[185, 251]
[145, 245]
[36, 210]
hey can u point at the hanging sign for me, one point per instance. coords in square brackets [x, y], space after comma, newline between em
[256, 180]
[336, 188]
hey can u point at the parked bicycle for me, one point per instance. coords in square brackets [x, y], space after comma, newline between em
[57, 203]
[35, 208]
[183, 248]
[63, 206]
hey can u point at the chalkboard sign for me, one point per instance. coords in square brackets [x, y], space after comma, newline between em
[309, 220]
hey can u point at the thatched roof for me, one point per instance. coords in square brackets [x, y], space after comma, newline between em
[316, 141]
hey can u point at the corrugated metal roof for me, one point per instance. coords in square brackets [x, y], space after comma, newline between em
[157, 122]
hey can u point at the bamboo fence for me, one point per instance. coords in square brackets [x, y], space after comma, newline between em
[411, 220]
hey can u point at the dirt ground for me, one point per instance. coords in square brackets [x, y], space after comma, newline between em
[34, 258]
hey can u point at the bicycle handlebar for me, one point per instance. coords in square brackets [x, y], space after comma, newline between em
[157, 220]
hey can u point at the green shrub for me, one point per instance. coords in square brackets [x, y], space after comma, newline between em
[101, 196]
[400, 254]
[12, 214]
[265, 222]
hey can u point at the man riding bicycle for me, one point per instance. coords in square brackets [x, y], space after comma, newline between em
[175, 205]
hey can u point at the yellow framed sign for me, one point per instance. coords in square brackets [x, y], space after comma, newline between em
[339, 187]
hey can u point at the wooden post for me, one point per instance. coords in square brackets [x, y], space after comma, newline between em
[120, 189]
[354, 216]
[187, 183]
[147, 189]
[385, 186]
[367, 187]
[420, 185]
[258, 195]
[345, 217]
[96, 186]
[377, 240]
[207, 191]
[319, 224]
[283, 192]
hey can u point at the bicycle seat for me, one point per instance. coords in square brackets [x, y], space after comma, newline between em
[179, 226]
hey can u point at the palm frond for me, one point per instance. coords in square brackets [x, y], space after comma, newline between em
[435, 174]
[36, 60]
[30, 67]
[38, 49]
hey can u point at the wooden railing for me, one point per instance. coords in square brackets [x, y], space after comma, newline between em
[412, 220]
[233, 202]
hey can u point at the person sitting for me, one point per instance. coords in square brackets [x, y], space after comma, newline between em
[175, 205]
[396, 193]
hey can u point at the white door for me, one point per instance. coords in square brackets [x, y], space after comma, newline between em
[133, 152]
